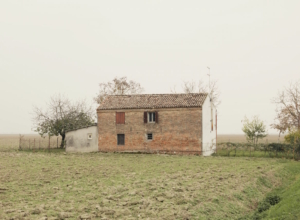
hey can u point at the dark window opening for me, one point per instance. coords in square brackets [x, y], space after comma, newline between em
[121, 139]
[149, 137]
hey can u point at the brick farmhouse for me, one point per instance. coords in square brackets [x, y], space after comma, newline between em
[154, 123]
[157, 123]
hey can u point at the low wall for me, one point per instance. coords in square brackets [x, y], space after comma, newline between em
[82, 140]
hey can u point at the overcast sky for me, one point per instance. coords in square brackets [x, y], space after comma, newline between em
[69, 47]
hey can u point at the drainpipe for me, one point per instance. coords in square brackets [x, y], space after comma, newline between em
[216, 129]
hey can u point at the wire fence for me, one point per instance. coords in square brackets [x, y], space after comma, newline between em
[28, 142]
[39, 143]
[279, 150]
[231, 149]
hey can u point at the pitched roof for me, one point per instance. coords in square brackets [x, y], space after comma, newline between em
[84, 126]
[149, 101]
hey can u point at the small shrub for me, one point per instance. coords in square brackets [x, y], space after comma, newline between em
[258, 216]
[273, 199]
[263, 206]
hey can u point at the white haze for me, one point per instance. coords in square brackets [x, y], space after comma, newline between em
[69, 47]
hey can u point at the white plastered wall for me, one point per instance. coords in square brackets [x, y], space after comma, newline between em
[78, 141]
[208, 136]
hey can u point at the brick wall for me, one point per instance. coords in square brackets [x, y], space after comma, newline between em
[177, 130]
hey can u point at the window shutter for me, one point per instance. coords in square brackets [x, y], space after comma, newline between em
[156, 117]
[122, 121]
[120, 117]
[145, 117]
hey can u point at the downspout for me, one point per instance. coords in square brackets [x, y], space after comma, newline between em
[201, 131]
[216, 129]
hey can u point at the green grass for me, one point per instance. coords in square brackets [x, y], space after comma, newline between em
[288, 207]
[261, 154]
[131, 186]
[289, 191]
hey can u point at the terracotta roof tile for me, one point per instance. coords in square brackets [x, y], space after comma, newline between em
[149, 101]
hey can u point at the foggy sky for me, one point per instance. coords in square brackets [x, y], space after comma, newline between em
[69, 47]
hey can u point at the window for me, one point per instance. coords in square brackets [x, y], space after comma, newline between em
[120, 117]
[150, 117]
[121, 139]
[149, 137]
[89, 136]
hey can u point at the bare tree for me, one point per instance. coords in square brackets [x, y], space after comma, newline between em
[173, 89]
[118, 86]
[288, 108]
[62, 115]
[193, 87]
[200, 87]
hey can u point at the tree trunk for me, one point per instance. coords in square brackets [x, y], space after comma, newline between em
[62, 144]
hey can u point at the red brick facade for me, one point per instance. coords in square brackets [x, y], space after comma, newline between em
[179, 130]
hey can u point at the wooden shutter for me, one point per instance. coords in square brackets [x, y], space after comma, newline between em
[156, 117]
[123, 118]
[145, 117]
[120, 117]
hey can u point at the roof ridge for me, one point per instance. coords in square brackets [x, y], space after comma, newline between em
[150, 101]
[150, 94]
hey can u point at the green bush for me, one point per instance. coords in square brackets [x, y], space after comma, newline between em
[273, 199]
[278, 147]
[293, 138]
[264, 205]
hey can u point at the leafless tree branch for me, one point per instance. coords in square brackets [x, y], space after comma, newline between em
[118, 86]
[287, 108]
[200, 87]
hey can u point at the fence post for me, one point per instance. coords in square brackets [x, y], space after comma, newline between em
[20, 143]
[33, 144]
[235, 150]
[228, 146]
[29, 144]
[295, 142]
[265, 147]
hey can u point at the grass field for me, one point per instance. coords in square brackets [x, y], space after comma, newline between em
[127, 186]
[56, 185]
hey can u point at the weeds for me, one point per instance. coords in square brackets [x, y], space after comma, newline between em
[118, 186]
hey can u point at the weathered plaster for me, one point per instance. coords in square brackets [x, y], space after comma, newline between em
[77, 140]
